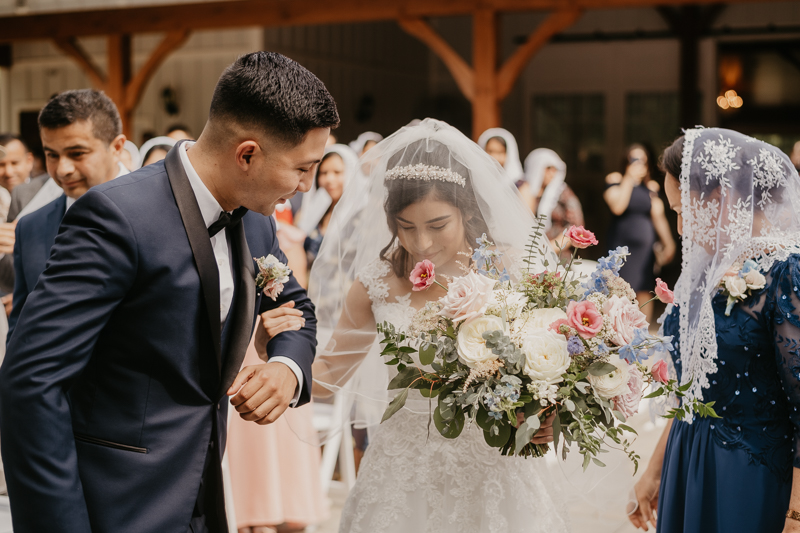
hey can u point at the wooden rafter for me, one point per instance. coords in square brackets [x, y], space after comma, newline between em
[242, 13]
[136, 86]
[71, 47]
[459, 68]
[514, 65]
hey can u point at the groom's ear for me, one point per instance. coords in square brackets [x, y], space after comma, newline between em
[245, 153]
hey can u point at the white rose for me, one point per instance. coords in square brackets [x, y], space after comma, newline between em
[467, 297]
[736, 286]
[612, 384]
[755, 280]
[546, 355]
[537, 319]
[470, 342]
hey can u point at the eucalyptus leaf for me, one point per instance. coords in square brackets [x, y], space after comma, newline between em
[498, 436]
[523, 436]
[449, 429]
[427, 354]
[534, 423]
[601, 369]
[395, 405]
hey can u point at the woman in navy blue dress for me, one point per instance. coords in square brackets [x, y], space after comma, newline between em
[736, 328]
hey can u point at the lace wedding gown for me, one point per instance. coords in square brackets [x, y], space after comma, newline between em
[411, 480]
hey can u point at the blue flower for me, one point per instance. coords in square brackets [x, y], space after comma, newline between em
[640, 336]
[747, 267]
[630, 354]
[575, 345]
[497, 415]
[601, 348]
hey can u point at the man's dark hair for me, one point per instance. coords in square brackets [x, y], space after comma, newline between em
[271, 92]
[6, 138]
[85, 104]
[178, 127]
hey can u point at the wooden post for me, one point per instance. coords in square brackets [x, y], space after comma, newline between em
[484, 85]
[485, 104]
[119, 74]
[124, 89]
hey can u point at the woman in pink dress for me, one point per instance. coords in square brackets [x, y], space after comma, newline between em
[274, 474]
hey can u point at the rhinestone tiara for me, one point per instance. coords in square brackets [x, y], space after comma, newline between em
[424, 172]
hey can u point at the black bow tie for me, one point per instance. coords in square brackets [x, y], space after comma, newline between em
[227, 220]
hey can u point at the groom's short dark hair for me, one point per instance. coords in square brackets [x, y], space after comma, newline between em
[269, 91]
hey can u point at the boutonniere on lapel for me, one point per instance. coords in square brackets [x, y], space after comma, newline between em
[738, 282]
[272, 274]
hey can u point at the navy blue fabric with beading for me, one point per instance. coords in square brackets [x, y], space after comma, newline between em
[734, 474]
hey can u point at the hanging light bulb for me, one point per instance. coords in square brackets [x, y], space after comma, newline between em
[730, 99]
[723, 102]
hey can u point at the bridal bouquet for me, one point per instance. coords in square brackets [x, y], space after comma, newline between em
[507, 356]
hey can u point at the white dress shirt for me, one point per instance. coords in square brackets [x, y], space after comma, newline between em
[211, 210]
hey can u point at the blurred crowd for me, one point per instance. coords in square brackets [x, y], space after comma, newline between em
[286, 494]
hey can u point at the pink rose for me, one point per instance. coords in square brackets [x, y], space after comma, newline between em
[625, 318]
[628, 404]
[663, 293]
[273, 289]
[467, 297]
[659, 371]
[581, 237]
[585, 318]
[422, 276]
[556, 326]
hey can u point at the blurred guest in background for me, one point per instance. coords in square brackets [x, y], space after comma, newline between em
[638, 221]
[365, 141]
[82, 137]
[338, 166]
[15, 167]
[179, 132]
[795, 156]
[502, 146]
[274, 472]
[548, 195]
[156, 149]
[130, 157]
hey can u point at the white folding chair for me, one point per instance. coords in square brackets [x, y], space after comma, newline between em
[334, 419]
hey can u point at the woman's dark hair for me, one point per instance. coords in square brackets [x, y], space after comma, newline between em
[652, 165]
[402, 193]
[270, 92]
[672, 157]
[152, 149]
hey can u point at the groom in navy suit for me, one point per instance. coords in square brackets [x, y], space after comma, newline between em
[113, 391]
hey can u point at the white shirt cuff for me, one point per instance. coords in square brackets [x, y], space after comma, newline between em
[297, 372]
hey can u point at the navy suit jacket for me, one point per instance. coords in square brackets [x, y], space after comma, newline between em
[35, 235]
[112, 391]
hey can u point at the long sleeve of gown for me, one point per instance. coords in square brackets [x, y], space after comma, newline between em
[784, 302]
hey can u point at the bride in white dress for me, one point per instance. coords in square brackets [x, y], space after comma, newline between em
[443, 193]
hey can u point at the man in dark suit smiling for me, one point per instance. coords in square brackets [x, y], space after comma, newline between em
[112, 393]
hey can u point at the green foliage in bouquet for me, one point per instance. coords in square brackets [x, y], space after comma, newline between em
[550, 355]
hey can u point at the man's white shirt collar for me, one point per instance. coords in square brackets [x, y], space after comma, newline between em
[209, 206]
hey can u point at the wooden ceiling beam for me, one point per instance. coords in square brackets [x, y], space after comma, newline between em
[71, 47]
[460, 70]
[242, 13]
[137, 84]
[514, 65]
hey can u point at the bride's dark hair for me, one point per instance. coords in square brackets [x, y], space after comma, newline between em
[402, 193]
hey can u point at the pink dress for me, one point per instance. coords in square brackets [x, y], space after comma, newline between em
[275, 475]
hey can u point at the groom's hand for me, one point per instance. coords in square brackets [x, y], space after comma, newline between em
[261, 393]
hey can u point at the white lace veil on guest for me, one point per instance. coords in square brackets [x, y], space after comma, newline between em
[407, 167]
[535, 165]
[513, 166]
[317, 201]
[740, 200]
